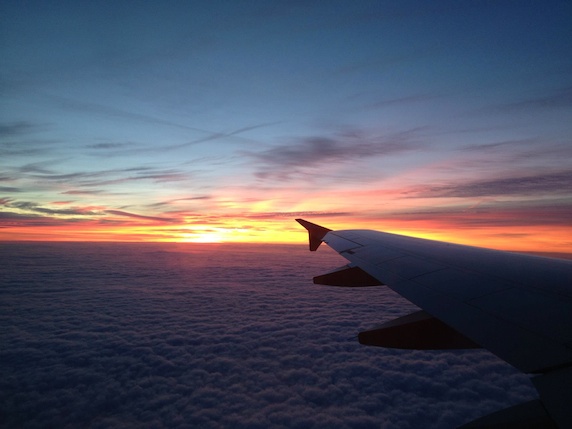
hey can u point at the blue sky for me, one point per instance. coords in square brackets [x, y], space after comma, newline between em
[224, 120]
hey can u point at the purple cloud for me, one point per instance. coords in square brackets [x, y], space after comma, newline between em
[137, 216]
[9, 189]
[551, 183]
[36, 208]
[111, 145]
[84, 192]
[110, 177]
[556, 100]
[16, 128]
[292, 215]
[285, 161]
[554, 213]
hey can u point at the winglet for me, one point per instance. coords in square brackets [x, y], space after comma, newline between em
[315, 233]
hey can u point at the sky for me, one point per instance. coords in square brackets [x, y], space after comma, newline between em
[224, 121]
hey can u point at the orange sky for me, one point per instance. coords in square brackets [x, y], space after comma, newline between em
[283, 229]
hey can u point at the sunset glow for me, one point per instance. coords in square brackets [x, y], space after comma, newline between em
[223, 123]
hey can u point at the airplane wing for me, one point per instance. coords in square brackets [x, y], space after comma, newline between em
[517, 306]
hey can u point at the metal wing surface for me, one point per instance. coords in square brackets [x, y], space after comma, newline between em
[517, 306]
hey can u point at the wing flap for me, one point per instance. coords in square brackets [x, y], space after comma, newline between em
[418, 331]
[347, 276]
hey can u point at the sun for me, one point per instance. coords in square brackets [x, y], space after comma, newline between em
[202, 234]
[207, 238]
[202, 237]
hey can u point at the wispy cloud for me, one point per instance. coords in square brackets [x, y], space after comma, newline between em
[84, 192]
[111, 145]
[176, 200]
[33, 214]
[39, 167]
[12, 129]
[9, 189]
[24, 138]
[108, 177]
[410, 99]
[541, 184]
[502, 146]
[10, 219]
[555, 100]
[157, 177]
[109, 111]
[36, 208]
[220, 135]
[285, 161]
[24, 149]
[494, 214]
[137, 216]
[113, 112]
[292, 215]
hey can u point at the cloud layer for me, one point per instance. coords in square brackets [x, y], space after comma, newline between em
[183, 335]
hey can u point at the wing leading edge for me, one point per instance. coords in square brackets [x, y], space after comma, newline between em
[517, 306]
